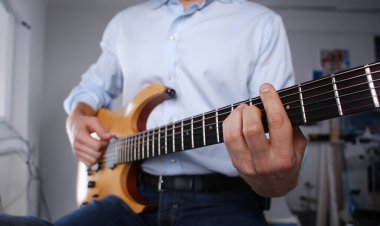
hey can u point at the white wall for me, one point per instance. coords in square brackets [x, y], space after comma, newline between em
[74, 29]
[72, 45]
[25, 113]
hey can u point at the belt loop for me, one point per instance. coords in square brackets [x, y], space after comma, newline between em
[159, 184]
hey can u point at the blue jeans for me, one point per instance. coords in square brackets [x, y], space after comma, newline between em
[229, 208]
[8, 220]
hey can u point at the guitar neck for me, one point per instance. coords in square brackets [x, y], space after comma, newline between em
[347, 92]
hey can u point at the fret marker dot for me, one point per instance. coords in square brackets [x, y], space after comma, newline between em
[287, 107]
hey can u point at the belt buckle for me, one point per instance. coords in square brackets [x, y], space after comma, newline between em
[159, 184]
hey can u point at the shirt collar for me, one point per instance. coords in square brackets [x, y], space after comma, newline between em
[155, 4]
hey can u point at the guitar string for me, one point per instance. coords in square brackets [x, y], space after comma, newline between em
[116, 160]
[292, 94]
[170, 136]
[260, 103]
[138, 143]
[289, 109]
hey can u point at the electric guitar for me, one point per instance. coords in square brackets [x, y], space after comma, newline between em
[347, 92]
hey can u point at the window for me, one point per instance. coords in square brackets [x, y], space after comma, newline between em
[6, 56]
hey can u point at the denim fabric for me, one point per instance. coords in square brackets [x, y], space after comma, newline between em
[228, 208]
[7, 220]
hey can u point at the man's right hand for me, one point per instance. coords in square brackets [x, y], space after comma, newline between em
[79, 126]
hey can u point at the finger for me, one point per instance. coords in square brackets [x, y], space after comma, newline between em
[99, 129]
[85, 138]
[299, 143]
[254, 134]
[280, 128]
[83, 152]
[232, 132]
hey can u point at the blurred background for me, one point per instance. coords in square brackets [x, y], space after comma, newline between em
[45, 46]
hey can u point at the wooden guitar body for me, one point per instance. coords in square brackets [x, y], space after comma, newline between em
[121, 179]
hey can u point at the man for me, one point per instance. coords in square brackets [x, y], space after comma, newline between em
[212, 53]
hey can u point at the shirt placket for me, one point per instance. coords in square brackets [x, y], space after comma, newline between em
[173, 163]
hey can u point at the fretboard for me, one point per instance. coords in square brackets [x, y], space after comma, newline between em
[347, 92]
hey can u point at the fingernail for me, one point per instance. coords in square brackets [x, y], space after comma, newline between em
[265, 88]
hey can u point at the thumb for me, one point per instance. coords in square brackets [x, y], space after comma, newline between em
[99, 129]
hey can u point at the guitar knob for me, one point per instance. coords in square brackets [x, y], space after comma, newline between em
[91, 184]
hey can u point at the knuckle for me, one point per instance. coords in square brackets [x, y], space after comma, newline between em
[231, 138]
[252, 130]
[263, 170]
[276, 121]
[287, 165]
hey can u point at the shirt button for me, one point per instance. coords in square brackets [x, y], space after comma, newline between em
[170, 77]
[172, 37]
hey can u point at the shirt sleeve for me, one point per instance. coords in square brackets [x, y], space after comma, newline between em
[103, 81]
[274, 63]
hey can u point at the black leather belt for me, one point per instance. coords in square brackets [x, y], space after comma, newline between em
[201, 183]
[196, 183]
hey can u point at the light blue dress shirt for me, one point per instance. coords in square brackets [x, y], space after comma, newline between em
[214, 54]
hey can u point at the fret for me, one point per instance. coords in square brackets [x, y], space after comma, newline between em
[291, 100]
[354, 91]
[302, 105]
[187, 134]
[125, 149]
[182, 142]
[110, 160]
[143, 145]
[121, 152]
[131, 140]
[222, 115]
[173, 138]
[131, 149]
[319, 99]
[203, 130]
[166, 139]
[163, 141]
[159, 142]
[134, 148]
[375, 70]
[372, 86]
[128, 149]
[138, 146]
[192, 132]
[250, 102]
[155, 142]
[177, 137]
[210, 127]
[148, 145]
[217, 126]
[258, 103]
[198, 131]
[169, 139]
[336, 93]
[116, 155]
